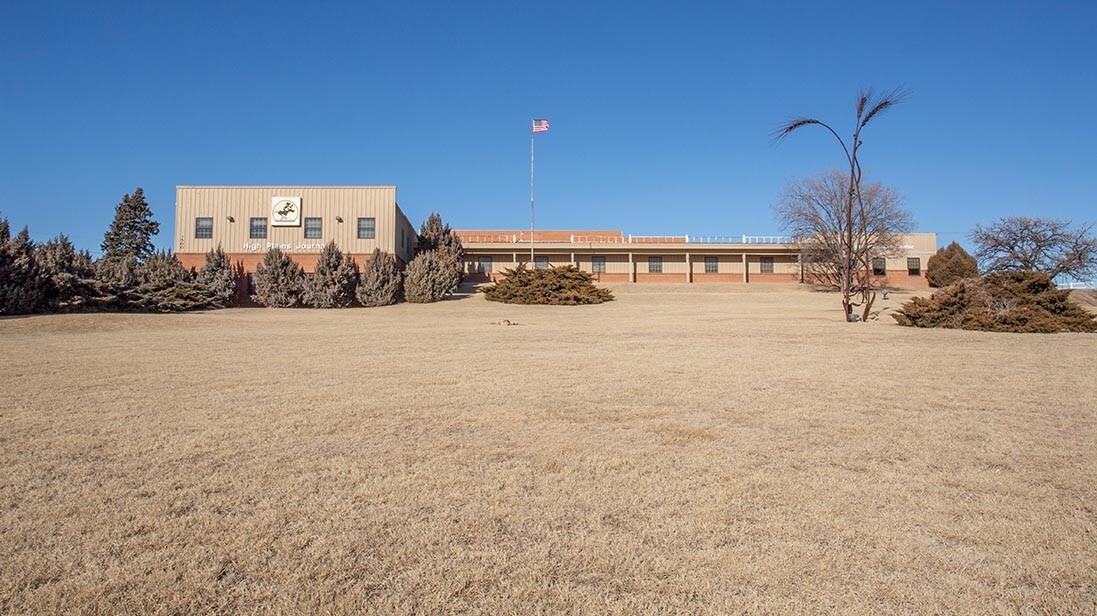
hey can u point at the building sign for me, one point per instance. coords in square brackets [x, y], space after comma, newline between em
[285, 211]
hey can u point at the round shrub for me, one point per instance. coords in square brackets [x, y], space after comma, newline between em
[382, 282]
[278, 280]
[950, 264]
[558, 286]
[429, 278]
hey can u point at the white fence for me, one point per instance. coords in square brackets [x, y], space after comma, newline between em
[524, 238]
[1075, 285]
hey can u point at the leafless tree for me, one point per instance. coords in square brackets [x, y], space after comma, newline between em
[869, 106]
[1045, 245]
[812, 211]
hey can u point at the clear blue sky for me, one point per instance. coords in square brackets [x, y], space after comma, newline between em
[661, 111]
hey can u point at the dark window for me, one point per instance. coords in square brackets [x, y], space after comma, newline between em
[879, 266]
[540, 263]
[712, 265]
[203, 228]
[257, 230]
[483, 265]
[914, 266]
[367, 229]
[655, 265]
[314, 228]
[598, 265]
[766, 264]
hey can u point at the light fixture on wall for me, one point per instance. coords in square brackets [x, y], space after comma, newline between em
[339, 219]
[230, 219]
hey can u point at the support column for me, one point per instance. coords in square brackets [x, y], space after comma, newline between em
[631, 269]
[573, 261]
[746, 268]
[689, 267]
[800, 262]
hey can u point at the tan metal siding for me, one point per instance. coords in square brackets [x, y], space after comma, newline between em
[324, 202]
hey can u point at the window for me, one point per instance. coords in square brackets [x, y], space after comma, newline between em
[712, 265]
[314, 228]
[483, 265]
[598, 265]
[540, 263]
[879, 266]
[257, 230]
[655, 265]
[914, 266]
[203, 228]
[367, 229]
[766, 264]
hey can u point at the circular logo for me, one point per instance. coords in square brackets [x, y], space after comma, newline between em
[285, 210]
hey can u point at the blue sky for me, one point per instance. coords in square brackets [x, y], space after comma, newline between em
[661, 112]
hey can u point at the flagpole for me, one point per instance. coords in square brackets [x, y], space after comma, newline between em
[531, 133]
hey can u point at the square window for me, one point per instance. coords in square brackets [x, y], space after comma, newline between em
[712, 265]
[203, 228]
[257, 229]
[914, 266]
[540, 263]
[598, 265]
[367, 229]
[766, 265]
[879, 266]
[655, 265]
[314, 228]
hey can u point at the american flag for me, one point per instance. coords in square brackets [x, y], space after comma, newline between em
[540, 126]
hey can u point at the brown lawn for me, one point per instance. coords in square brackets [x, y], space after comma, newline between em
[682, 449]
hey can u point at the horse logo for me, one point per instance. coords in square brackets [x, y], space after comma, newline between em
[285, 211]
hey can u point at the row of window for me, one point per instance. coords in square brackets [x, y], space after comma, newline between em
[314, 228]
[712, 265]
[880, 266]
[598, 264]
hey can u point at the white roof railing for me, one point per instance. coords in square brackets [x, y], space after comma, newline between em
[523, 238]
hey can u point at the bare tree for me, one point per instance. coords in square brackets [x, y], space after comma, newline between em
[869, 105]
[812, 211]
[1047, 245]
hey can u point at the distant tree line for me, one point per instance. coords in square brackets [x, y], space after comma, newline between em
[132, 276]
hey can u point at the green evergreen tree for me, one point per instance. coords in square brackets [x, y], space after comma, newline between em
[23, 283]
[162, 284]
[950, 264]
[434, 235]
[72, 285]
[278, 280]
[382, 282]
[219, 277]
[334, 281]
[128, 242]
[429, 277]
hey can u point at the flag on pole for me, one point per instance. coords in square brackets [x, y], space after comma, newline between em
[540, 126]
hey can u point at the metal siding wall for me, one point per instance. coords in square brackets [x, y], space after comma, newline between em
[244, 203]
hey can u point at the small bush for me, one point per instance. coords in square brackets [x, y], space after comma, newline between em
[1014, 301]
[381, 283]
[278, 281]
[220, 278]
[950, 264]
[430, 277]
[558, 286]
[333, 283]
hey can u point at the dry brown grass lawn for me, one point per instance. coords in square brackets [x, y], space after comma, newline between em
[698, 450]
